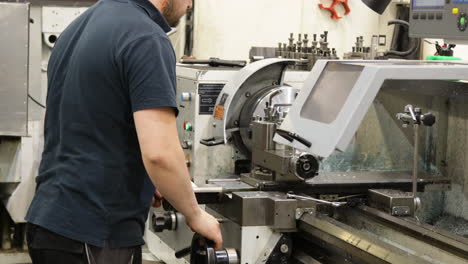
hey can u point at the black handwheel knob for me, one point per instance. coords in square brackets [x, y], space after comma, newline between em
[428, 119]
[164, 221]
[203, 252]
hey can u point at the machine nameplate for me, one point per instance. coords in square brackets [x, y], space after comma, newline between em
[208, 93]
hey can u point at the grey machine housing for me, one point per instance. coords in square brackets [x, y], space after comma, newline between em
[335, 98]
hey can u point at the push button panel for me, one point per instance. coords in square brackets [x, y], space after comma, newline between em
[445, 19]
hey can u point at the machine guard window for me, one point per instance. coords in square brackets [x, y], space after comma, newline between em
[331, 92]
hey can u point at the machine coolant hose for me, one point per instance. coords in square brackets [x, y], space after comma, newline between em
[415, 43]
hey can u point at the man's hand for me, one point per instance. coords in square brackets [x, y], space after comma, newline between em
[207, 226]
[157, 199]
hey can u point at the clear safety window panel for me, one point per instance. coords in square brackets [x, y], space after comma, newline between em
[335, 98]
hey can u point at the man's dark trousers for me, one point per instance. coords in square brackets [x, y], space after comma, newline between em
[46, 247]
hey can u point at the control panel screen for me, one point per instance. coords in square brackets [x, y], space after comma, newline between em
[428, 3]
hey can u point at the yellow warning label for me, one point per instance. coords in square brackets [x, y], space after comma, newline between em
[219, 112]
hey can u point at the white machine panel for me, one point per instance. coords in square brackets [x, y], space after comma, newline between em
[338, 94]
[14, 32]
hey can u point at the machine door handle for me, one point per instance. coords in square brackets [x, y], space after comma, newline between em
[210, 142]
[289, 136]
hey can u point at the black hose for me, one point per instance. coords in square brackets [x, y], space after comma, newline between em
[398, 22]
[415, 43]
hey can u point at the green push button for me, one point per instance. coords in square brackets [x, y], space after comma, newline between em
[463, 21]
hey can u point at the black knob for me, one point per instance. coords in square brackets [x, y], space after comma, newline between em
[163, 221]
[428, 119]
[307, 166]
[203, 252]
[183, 252]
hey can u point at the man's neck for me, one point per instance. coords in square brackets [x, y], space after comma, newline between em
[159, 4]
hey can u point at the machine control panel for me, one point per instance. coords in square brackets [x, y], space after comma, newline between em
[447, 19]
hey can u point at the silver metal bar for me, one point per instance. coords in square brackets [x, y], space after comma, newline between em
[208, 189]
[222, 180]
[334, 204]
[415, 160]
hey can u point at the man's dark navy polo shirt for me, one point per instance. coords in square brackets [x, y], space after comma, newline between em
[112, 61]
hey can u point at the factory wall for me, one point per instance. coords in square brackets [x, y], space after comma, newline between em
[227, 29]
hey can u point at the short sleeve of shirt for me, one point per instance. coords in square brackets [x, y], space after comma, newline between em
[148, 66]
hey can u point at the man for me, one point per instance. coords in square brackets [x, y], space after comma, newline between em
[110, 137]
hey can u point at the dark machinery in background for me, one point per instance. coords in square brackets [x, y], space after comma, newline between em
[189, 30]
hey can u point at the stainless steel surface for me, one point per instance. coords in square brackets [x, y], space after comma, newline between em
[393, 202]
[369, 177]
[363, 246]
[272, 209]
[434, 237]
[262, 135]
[175, 219]
[208, 189]
[426, 242]
[366, 235]
[14, 32]
[232, 256]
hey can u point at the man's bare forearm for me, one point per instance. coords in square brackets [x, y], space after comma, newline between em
[172, 179]
[164, 159]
